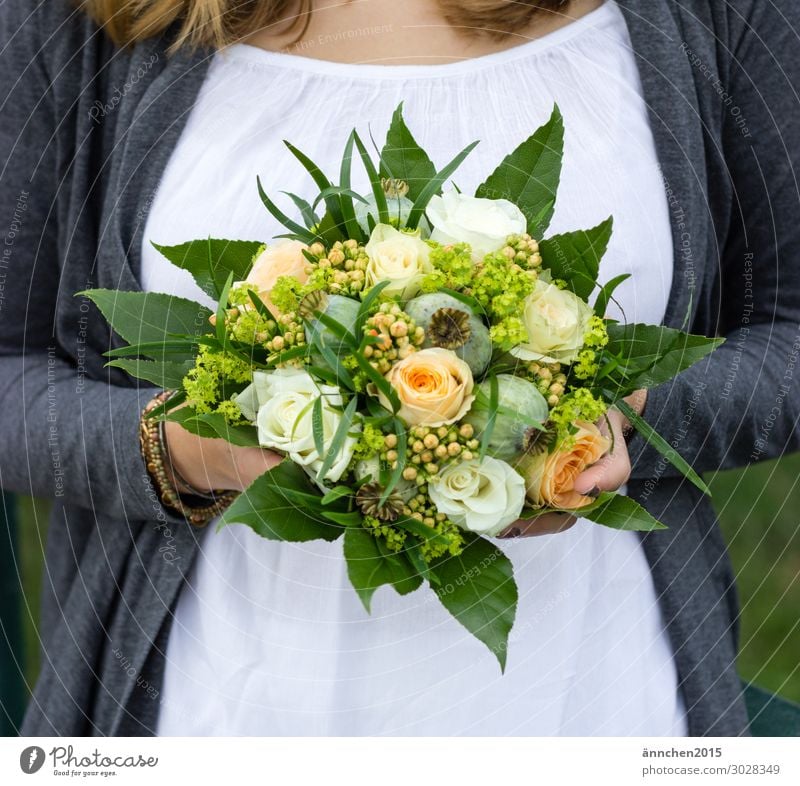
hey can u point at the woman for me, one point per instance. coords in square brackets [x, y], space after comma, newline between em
[680, 119]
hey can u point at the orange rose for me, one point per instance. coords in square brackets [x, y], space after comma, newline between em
[550, 477]
[284, 258]
[434, 387]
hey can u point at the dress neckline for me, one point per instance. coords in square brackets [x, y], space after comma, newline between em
[259, 56]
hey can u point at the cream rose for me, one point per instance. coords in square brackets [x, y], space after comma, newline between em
[483, 223]
[481, 496]
[434, 387]
[550, 477]
[556, 321]
[284, 258]
[401, 258]
[282, 404]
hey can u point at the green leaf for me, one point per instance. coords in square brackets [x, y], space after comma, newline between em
[434, 186]
[478, 589]
[352, 227]
[403, 159]
[298, 230]
[494, 403]
[653, 354]
[336, 493]
[332, 202]
[282, 505]
[343, 377]
[339, 438]
[414, 554]
[214, 426]
[369, 566]
[378, 380]
[211, 260]
[606, 294]
[164, 373]
[374, 181]
[618, 512]
[306, 210]
[175, 350]
[141, 317]
[422, 531]
[575, 256]
[529, 175]
[222, 335]
[652, 437]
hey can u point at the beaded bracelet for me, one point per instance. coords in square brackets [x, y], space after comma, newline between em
[159, 467]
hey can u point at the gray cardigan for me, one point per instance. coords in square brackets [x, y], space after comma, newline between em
[86, 131]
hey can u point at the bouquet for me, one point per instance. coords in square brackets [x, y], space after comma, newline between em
[430, 364]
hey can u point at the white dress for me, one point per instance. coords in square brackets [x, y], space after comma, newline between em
[269, 638]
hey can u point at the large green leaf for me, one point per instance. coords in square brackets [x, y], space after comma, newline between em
[371, 565]
[652, 354]
[619, 512]
[403, 159]
[282, 505]
[164, 373]
[575, 256]
[211, 261]
[529, 175]
[478, 589]
[141, 317]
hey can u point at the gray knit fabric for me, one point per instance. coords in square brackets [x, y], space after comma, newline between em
[86, 131]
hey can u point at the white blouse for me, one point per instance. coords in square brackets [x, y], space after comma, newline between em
[269, 638]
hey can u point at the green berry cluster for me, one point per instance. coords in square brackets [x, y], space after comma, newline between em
[549, 379]
[392, 536]
[340, 270]
[502, 282]
[396, 333]
[586, 364]
[216, 376]
[429, 449]
[452, 267]
[291, 333]
[578, 404]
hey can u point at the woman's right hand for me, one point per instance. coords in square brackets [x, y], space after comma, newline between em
[209, 464]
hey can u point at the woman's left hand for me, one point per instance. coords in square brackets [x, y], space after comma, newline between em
[607, 474]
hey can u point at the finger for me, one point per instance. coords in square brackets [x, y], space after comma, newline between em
[607, 474]
[546, 524]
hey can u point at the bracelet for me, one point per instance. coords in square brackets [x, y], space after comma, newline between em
[157, 463]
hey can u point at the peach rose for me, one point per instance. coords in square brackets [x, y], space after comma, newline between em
[434, 387]
[284, 258]
[550, 477]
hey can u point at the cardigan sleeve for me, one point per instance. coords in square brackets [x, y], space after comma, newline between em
[742, 404]
[64, 437]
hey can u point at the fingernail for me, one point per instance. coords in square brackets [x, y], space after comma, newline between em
[514, 532]
[594, 491]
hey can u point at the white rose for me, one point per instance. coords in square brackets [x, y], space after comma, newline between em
[483, 223]
[285, 399]
[556, 321]
[398, 257]
[480, 496]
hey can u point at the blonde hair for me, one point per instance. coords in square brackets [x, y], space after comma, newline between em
[216, 23]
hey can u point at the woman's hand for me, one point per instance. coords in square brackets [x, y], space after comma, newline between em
[214, 463]
[607, 474]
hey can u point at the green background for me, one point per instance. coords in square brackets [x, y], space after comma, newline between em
[759, 508]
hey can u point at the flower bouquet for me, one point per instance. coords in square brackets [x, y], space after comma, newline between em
[429, 363]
